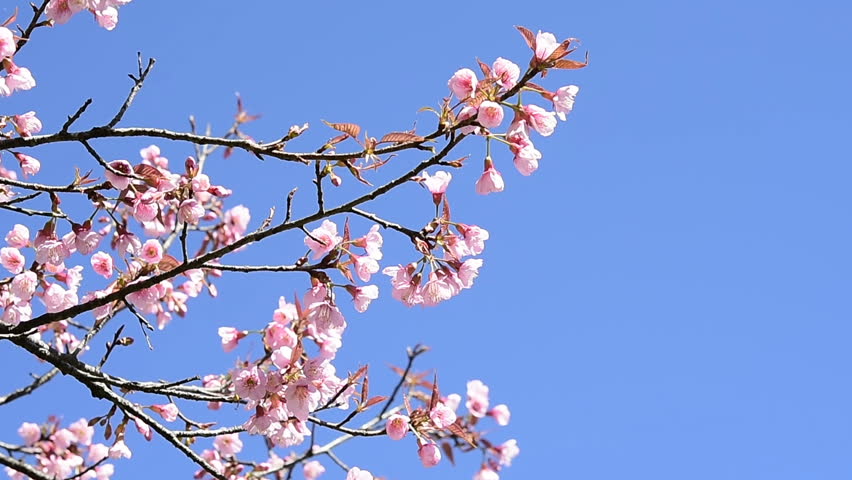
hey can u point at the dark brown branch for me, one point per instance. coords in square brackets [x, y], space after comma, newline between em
[23, 467]
[256, 236]
[137, 85]
[39, 381]
[351, 431]
[52, 188]
[73, 118]
[25, 34]
[413, 353]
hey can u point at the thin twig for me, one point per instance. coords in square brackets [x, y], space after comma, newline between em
[137, 85]
[39, 381]
[73, 118]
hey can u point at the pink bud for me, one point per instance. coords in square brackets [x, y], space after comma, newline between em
[397, 426]
[430, 454]
[463, 83]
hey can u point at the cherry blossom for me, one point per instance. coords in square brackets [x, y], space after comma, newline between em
[397, 426]
[463, 83]
[323, 239]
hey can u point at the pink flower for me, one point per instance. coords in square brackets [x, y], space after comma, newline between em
[120, 450]
[250, 383]
[397, 426]
[545, 44]
[365, 266]
[7, 43]
[463, 83]
[491, 180]
[128, 244]
[23, 285]
[86, 240]
[12, 259]
[486, 473]
[526, 156]
[97, 452]
[477, 398]
[437, 184]
[501, 414]
[563, 100]
[82, 431]
[57, 298]
[19, 78]
[279, 335]
[540, 120]
[27, 124]
[144, 429]
[326, 239]
[430, 454]
[18, 236]
[437, 290]
[507, 73]
[228, 445]
[302, 398]
[191, 211]
[63, 438]
[29, 165]
[362, 296]
[282, 356]
[145, 208]
[60, 11]
[231, 337]
[168, 411]
[469, 271]
[475, 238]
[468, 112]
[102, 264]
[30, 432]
[490, 114]
[372, 243]
[312, 470]
[442, 416]
[120, 182]
[15, 314]
[151, 155]
[107, 17]
[508, 451]
[406, 285]
[356, 473]
[152, 251]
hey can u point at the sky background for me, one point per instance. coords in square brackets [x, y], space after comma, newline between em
[666, 298]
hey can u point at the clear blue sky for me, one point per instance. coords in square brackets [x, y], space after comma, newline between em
[665, 299]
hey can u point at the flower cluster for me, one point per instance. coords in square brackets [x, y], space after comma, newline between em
[66, 452]
[105, 11]
[438, 422]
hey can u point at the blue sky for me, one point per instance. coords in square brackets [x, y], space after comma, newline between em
[666, 298]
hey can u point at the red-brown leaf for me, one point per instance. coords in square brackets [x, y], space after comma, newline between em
[448, 450]
[365, 389]
[563, 49]
[436, 395]
[401, 137]
[11, 19]
[486, 70]
[369, 403]
[151, 175]
[528, 35]
[461, 433]
[168, 263]
[349, 128]
[566, 64]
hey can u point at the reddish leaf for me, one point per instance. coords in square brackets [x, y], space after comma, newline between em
[356, 172]
[448, 450]
[11, 19]
[401, 137]
[566, 64]
[107, 431]
[529, 36]
[361, 371]
[486, 70]
[168, 263]
[407, 404]
[436, 395]
[365, 389]
[150, 173]
[369, 403]
[348, 128]
[563, 49]
[346, 235]
[461, 433]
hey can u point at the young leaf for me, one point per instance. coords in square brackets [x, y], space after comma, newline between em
[350, 129]
[529, 36]
[401, 137]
